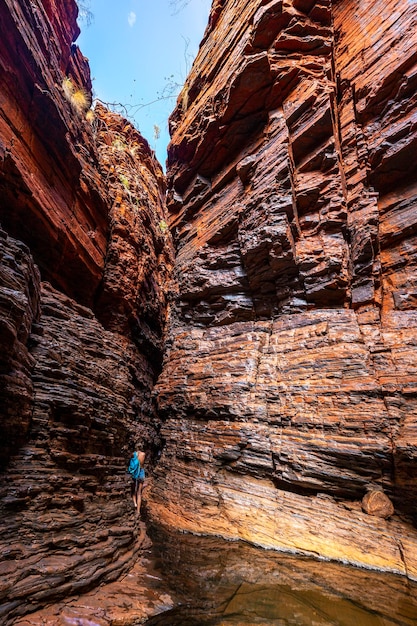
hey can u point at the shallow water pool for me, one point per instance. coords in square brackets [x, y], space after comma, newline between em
[219, 583]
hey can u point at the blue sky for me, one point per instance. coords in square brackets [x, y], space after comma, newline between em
[137, 49]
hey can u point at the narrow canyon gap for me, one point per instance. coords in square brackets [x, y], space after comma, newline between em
[265, 346]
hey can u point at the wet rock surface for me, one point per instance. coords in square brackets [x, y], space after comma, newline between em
[288, 390]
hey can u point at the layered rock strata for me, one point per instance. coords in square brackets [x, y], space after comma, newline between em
[289, 389]
[85, 263]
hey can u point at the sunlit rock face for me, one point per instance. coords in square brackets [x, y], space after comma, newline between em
[85, 264]
[289, 389]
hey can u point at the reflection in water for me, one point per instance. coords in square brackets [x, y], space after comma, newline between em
[218, 583]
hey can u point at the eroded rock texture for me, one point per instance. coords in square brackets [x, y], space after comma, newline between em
[85, 263]
[289, 390]
[47, 154]
[19, 308]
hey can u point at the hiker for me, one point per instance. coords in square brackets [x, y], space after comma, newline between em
[138, 476]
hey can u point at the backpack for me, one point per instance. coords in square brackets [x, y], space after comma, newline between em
[134, 467]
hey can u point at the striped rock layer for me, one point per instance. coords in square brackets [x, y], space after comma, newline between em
[289, 389]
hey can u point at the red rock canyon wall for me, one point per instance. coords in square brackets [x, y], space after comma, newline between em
[289, 388]
[85, 262]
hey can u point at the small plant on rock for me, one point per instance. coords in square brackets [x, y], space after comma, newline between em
[76, 96]
[163, 226]
[125, 181]
[119, 145]
[79, 101]
[67, 88]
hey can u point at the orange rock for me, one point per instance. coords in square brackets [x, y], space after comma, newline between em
[378, 504]
[290, 381]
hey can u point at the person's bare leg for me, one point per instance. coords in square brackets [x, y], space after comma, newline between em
[135, 494]
[139, 497]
